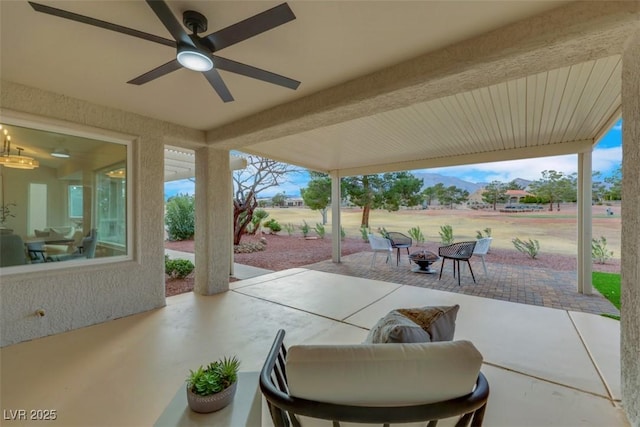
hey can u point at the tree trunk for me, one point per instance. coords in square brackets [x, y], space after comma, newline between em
[324, 216]
[365, 216]
[240, 222]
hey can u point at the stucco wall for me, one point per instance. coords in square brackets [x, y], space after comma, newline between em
[630, 277]
[77, 297]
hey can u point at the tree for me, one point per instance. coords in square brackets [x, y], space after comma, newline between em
[364, 191]
[555, 187]
[615, 184]
[403, 190]
[260, 174]
[451, 195]
[598, 188]
[494, 193]
[279, 199]
[388, 191]
[180, 217]
[513, 185]
[317, 194]
[428, 194]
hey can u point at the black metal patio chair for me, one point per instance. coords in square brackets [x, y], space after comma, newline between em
[461, 251]
[399, 241]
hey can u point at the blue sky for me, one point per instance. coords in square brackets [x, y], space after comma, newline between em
[607, 155]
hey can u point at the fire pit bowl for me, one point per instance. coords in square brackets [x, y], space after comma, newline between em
[424, 259]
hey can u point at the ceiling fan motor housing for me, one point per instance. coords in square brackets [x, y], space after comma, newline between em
[195, 21]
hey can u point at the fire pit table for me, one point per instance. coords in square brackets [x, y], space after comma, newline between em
[423, 259]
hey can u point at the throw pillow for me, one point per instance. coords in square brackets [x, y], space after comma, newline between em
[412, 325]
[396, 328]
[439, 322]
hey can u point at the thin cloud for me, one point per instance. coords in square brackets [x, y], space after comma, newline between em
[604, 160]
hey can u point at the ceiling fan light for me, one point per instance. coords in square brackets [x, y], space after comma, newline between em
[61, 153]
[194, 59]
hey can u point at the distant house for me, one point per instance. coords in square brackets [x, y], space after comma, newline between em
[514, 196]
[295, 202]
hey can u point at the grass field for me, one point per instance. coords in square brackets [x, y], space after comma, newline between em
[556, 231]
[608, 284]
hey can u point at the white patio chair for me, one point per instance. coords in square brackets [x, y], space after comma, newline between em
[481, 249]
[379, 244]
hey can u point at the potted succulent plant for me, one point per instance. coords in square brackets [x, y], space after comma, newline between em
[213, 387]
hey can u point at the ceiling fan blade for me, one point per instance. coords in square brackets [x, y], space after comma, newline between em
[250, 27]
[216, 82]
[170, 22]
[254, 73]
[101, 24]
[160, 71]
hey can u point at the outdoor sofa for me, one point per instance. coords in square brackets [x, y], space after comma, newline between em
[374, 384]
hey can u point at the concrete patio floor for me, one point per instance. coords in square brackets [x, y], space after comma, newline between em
[545, 366]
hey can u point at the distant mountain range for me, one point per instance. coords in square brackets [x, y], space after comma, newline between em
[431, 179]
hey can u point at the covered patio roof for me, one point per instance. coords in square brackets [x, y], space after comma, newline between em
[561, 111]
[383, 87]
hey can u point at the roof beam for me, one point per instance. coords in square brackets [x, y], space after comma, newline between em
[578, 32]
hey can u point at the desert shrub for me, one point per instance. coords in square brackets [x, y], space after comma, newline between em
[343, 233]
[383, 232]
[305, 228]
[446, 234]
[484, 233]
[249, 247]
[364, 232]
[530, 199]
[290, 228]
[256, 219]
[320, 230]
[180, 217]
[599, 252]
[272, 225]
[178, 268]
[530, 247]
[416, 234]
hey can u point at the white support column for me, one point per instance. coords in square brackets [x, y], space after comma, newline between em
[213, 238]
[336, 224]
[630, 277]
[584, 223]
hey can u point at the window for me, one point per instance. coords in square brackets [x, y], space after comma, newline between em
[70, 208]
[75, 201]
[111, 202]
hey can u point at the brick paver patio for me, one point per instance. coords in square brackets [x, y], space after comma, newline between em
[520, 284]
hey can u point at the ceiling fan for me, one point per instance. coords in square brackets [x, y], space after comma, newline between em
[197, 52]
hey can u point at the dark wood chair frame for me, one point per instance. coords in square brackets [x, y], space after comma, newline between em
[399, 241]
[284, 407]
[461, 251]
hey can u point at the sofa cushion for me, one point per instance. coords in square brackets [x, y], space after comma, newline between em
[410, 325]
[382, 374]
[41, 233]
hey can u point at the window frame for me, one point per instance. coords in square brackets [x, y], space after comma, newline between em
[45, 124]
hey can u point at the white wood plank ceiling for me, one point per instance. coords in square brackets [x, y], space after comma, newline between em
[555, 112]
